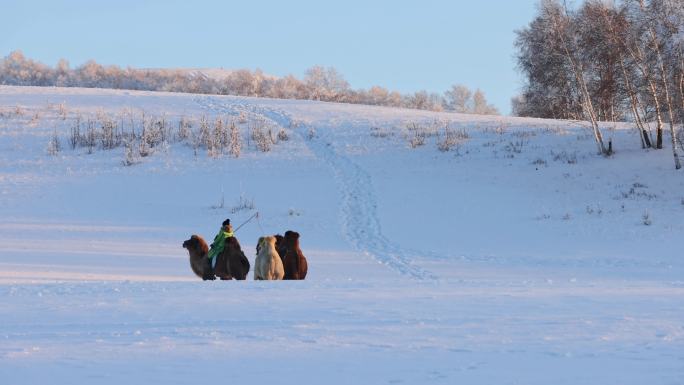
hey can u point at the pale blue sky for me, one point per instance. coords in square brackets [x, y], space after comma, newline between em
[401, 45]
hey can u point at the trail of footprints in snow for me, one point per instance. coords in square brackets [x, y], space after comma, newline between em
[358, 212]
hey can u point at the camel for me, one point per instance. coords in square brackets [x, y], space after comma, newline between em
[279, 245]
[294, 262]
[199, 263]
[232, 262]
[268, 265]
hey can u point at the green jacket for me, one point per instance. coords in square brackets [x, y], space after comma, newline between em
[219, 243]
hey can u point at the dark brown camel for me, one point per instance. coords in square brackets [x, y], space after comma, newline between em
[199, 263]
[232, 262]
[294, 262]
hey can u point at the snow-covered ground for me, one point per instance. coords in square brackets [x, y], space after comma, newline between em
[519, 256]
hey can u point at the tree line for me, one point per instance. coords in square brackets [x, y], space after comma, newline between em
[606, 61]
[319, 83]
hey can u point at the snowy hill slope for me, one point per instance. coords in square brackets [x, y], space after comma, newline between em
[515, 256]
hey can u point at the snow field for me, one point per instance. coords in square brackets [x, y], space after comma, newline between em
[517, 257]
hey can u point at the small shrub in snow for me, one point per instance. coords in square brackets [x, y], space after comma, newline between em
[184, 129]
[35, 119]
[417, 140]
[451, 138]
[515, 147]
[646, 219]
[379, 132]
[446, 143]
[196, 143]
[62, 110]
[260, 136]
[293, 213]
[311, 134]
[524, 134]
[54, 145]
[242, 118]
[91, 136]
[243, 204]
[566, 217]
[217, 139]
[501, 128]
[597, 210]
[564, 157]
[295, 124]
[220, 138]
[108, 138]
[636, 193]
[131, 156]
[204, 134]
[282, 135]
[235, 141]
[423, 130]
[539, 162]
[75, 137]
[18, 110]
[144, 149]
[154, 131]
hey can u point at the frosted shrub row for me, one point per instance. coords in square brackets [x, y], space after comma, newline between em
[140, 134]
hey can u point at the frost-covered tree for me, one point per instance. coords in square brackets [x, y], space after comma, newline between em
[459, 99]
[325, 84]
[606, 61]
[319, 83]
[481, 106]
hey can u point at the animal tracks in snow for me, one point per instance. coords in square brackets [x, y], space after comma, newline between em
[358, 212]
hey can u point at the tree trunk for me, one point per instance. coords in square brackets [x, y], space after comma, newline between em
[581, 83]
[659, 116]
[633, 95]
[634, 102]
[668, 100]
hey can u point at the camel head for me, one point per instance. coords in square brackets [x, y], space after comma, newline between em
[196, 244]
[291, 238]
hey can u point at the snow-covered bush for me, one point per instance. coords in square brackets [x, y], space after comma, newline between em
[260, 136]
[235, 141]
[184, 129]
[564, 157]
[75, 139]
[243, 203]
[54, 145]
[417, 140]
[131, 154]
[515, 147]
[451, 138]
[646, 219]
[91, 136]
[141, 134]
[282, 135]
[380, 132]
